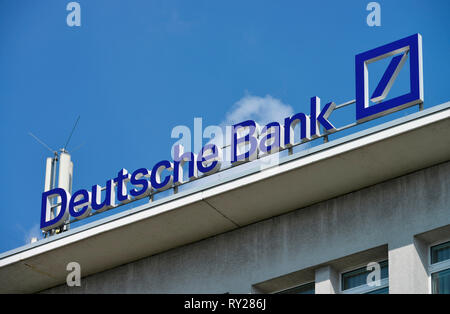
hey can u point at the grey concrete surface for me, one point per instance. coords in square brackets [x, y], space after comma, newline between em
[391, 213]
[408, 268]
[327, 280]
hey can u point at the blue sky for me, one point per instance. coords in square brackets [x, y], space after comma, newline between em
[136, 69]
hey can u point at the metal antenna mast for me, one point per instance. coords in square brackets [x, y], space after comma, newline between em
[61, 163]
[70, 136]
[42, 143]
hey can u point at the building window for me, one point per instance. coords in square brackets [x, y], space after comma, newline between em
[355, 281]
[384, 290]
[308, 288]
[440, 268]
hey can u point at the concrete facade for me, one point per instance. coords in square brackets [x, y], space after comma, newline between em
[395, 220]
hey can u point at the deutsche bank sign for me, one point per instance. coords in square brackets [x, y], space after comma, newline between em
[249, 141]
[411, 46]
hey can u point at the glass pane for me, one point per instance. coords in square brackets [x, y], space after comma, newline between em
[358, 277]
[440, 252]
[440, 282]
[384, 290]
[303, 289]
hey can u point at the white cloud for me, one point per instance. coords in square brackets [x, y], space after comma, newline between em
[261, 109]
[33, 232]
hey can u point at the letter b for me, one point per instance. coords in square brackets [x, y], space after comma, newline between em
[245, 147]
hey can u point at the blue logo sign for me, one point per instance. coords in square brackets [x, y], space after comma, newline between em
[249, 140]
[409, 47]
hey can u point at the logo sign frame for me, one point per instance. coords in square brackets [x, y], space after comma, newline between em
[401, 49]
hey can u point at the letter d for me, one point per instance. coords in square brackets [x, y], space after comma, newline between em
[48, 223]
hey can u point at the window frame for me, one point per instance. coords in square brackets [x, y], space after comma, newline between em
[363, 288]
[436, 267]
[296, 286]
